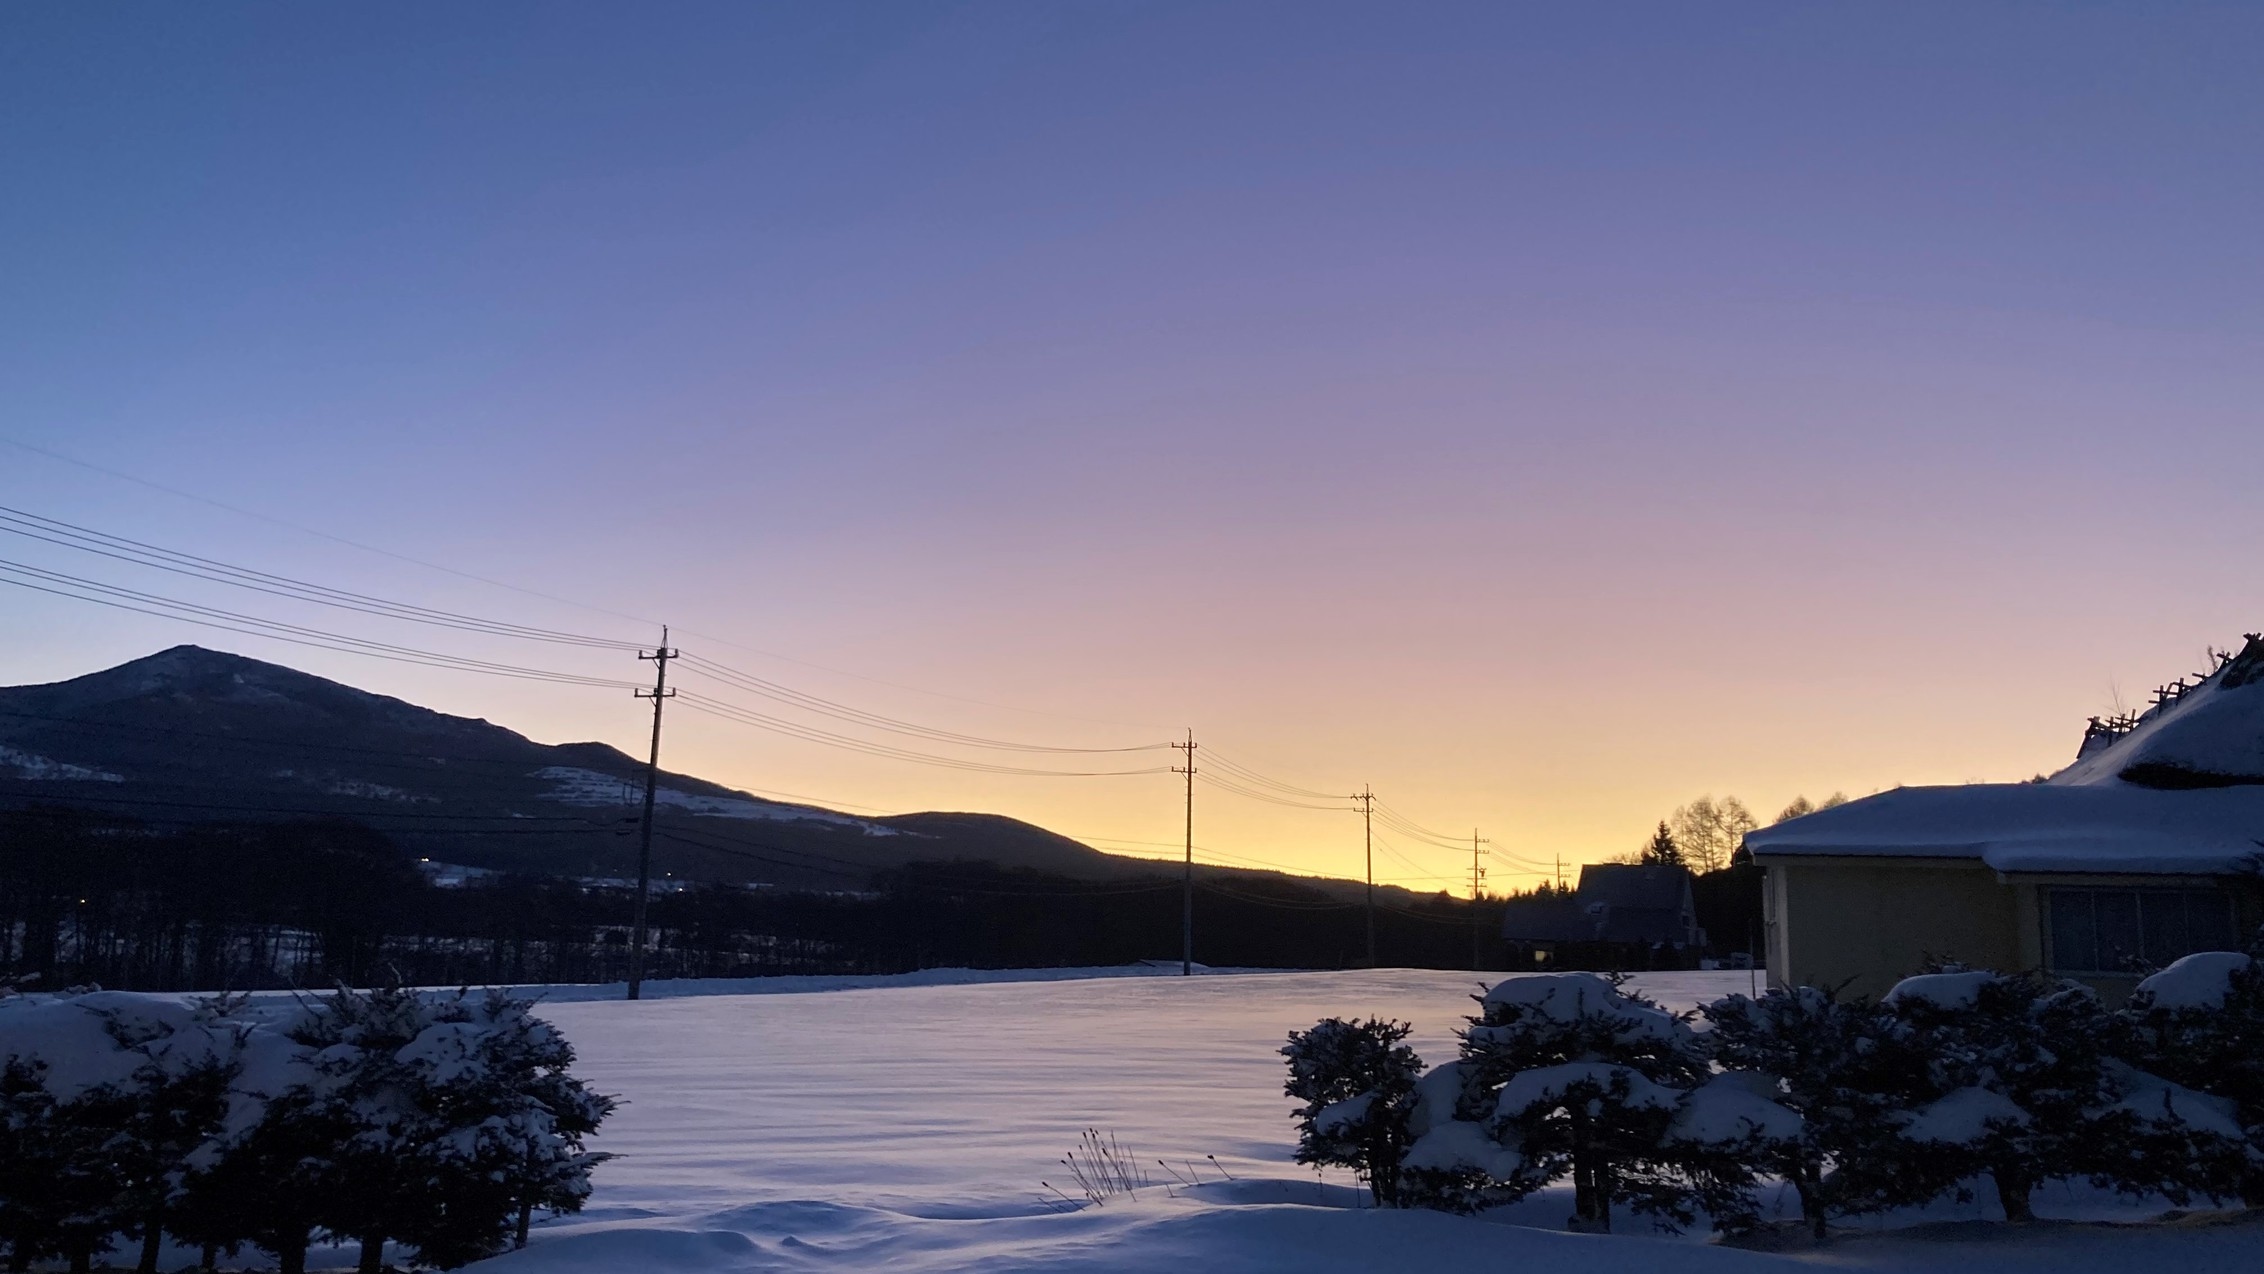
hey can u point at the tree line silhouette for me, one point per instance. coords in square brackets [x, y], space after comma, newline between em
[96, 898]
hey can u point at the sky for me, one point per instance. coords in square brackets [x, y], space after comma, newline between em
[1543, 414]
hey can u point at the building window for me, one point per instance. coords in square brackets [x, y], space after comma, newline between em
[2118, 930]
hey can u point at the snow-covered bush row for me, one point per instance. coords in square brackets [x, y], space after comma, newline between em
[439, 1123]
[1954, 1076]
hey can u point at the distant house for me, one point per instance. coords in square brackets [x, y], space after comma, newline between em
[2147, 848]
[1621, 916]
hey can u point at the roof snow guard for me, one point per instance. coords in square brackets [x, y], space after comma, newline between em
[2178, 789]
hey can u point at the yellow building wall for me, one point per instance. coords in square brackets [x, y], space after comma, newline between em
[1869, 923]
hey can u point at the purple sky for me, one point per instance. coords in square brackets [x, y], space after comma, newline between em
[1545, 414]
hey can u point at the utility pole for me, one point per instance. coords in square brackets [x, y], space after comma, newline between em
[1477, 923]
[1367, 798]
[659, 694]
[1187, 884]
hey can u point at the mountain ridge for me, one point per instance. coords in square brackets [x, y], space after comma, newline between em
[190, 734]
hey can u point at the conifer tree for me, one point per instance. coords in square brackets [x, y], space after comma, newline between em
[1586, 1080]
[1662, 849]
[2032, 1093]
[2200, 1023]
[1849, 1071]
[1357, 1082]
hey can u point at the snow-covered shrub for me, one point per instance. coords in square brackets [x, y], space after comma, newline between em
[1811, 1092]
[436, 1122]
[2030, 1093]
[111, 1100]
[1587, 1080]
[1357, 1082]
[2200, 1023]
[459, 1117]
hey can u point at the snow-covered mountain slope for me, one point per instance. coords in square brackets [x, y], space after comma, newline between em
[196, 735]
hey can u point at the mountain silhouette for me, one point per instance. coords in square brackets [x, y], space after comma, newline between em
[190, 735]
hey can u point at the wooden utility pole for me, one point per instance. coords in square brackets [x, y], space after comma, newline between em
[1187, 883]
[1367, 798]
[659, 694]
[1477, 922]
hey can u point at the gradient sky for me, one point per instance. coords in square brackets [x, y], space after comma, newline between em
[1547, 414]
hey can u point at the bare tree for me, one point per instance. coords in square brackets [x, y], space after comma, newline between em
[1710, 831]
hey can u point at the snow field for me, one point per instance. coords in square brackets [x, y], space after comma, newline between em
[908, 1128]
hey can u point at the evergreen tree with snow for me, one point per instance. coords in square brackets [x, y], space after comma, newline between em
[273, 1181]
[35, 1156]
[414, 1168]
[2200, 1024]
[2032, 1093]
[548, 1112]
[1356, 1080]
[110, 1098]
[1586, 1080]
[1847, 1072]
[462, 1120]
[161, 1117]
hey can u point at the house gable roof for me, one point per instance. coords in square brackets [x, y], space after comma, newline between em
[1616, 902]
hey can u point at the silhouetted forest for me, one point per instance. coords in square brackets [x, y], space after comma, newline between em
[95, 898]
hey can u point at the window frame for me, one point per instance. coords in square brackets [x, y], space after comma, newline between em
[2138, 924]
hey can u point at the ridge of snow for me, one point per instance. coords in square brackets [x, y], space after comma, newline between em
[572, 785]
[1545, 1084]
[1570, 997]
[1964, 1117]
[1731, 1107]
[1437, 1094]
[2174, 1106]
[1459, 1145]
[2197, 981]
[1943, 990]
[41, 769]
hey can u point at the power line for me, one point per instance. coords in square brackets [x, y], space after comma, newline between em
[60, 457]
[843, 712]
[320, 535]
[811, 734]
[1255, 779]
[295, 634]
[1225, 785]
[86, 540]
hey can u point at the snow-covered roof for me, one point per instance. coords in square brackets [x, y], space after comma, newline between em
[2111, 827]
[2209, 735]
[2180, 792]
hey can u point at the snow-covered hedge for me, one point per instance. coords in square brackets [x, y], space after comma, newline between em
[440, 1123]
[1955, 1075]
